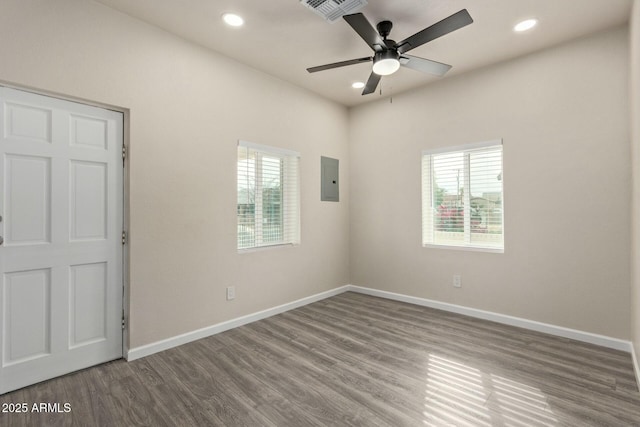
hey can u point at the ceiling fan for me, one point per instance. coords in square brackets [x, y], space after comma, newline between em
[389, 55]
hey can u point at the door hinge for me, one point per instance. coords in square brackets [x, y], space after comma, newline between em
[124, 323]
[124, 153]
[124, 237]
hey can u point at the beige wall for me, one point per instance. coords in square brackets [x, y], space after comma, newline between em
[188, 107]
[563, 116]
[635, 161]
[562, 113]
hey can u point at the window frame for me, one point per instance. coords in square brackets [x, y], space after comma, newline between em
[290, 195]
[428, 210]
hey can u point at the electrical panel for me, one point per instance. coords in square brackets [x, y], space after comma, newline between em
[330, 180]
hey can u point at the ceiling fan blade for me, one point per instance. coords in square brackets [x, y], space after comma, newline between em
[339, 64]
[424, 65]
[364, 28]
[372, 84]
[454, 22]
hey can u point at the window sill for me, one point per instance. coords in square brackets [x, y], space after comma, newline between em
[465, 248]
[266, 247]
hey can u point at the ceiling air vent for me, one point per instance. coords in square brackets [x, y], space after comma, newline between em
[332, 10]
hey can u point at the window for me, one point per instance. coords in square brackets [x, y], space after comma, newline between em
[268, 196]
[462, 197]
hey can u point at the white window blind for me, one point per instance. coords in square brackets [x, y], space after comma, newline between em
[268, 205]
[462, 197]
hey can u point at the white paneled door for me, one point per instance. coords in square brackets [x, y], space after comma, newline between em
[61, 177]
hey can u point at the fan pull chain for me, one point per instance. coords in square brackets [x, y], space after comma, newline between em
[390, 97]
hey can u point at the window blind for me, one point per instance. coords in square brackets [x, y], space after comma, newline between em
[268, 196]
[462, 197]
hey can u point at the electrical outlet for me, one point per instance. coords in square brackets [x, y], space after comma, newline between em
[457, 281]
[231, 293]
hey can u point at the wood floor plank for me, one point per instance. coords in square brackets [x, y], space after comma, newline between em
[312, 406]
[352, 360]
[208, 395]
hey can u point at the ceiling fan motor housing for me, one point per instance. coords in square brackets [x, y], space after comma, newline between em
[384, 28]
[386, 54]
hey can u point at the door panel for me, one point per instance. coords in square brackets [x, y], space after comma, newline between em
[28, 194]
[28, 123]
[88, 200]
[89, 132]
[61, 260]
[26, 305]
[88, 296]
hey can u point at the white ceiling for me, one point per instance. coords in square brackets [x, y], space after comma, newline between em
[283, 38]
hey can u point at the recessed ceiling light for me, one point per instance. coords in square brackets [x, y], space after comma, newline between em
[525, 25]
[357, 85]
[232, 19]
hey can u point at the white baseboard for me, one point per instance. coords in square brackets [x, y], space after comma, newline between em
[149, 349]
[560, 331]
[601, 340]
[636, 367]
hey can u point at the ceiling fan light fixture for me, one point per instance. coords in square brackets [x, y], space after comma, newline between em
[386, 63]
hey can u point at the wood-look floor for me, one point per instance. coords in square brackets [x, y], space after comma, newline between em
[352, 360]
